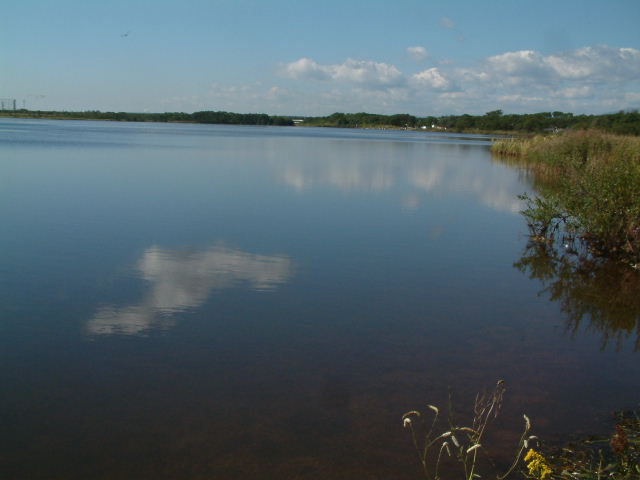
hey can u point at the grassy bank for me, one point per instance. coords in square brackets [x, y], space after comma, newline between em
[591, 189]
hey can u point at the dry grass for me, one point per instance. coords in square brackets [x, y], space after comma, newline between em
[462, 443]
[616, 457]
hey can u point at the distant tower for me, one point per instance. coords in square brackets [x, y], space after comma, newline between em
[7, 103]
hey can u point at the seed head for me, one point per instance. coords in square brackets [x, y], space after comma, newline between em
[446, 447]
[466, 429]
[412, 412]
[471, 449]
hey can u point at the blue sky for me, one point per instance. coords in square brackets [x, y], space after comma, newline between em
[317, 57]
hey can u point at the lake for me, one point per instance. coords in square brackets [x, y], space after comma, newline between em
[204, 301]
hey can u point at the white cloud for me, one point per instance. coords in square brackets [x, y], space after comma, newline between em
[368, 72]
[519, 99]
[446, 22]
[471, 75]
[350, 71]
[589, 64]
[588, 79]
[387, 96]
[591, 79]
[306, 68]
[633, 97]
[575, 92]
[601, 63]
[516, 68]
[276, 93]
[417, 53]
[455, 95]
[516, 63]
[431, 78]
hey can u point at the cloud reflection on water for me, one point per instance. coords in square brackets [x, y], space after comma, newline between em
[496, 188]
[180, 280]
[345, 174]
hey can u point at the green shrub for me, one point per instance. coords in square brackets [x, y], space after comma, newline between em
[592, 181]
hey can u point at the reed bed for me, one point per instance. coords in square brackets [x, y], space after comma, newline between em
[592, 188]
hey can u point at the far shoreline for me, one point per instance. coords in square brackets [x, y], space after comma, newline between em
[191, 122]
[491, 123]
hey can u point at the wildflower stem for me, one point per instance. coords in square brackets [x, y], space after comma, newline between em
[442, 447]
[527, 426]
[420, 457]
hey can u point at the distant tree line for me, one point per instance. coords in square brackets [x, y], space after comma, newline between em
[364, 120]
[196, 117]
[627, 123]
[494, 121]
[228, 118]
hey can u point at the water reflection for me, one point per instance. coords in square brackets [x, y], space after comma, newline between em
[600, 292]
[595, 294]
[180, 280]
[346, 174]
[433, 173]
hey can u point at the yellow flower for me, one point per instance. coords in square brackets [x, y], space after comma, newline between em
[537, 465]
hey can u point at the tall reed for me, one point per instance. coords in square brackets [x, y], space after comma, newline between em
[592, 187]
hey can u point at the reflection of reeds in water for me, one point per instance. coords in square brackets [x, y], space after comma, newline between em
[461, 443]
[585, 226]
[600, 290]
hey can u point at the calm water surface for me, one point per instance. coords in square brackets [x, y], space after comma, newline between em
[195, 301]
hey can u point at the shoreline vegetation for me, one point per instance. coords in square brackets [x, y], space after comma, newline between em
[464, 446]
[494, 122]
[588, 196]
